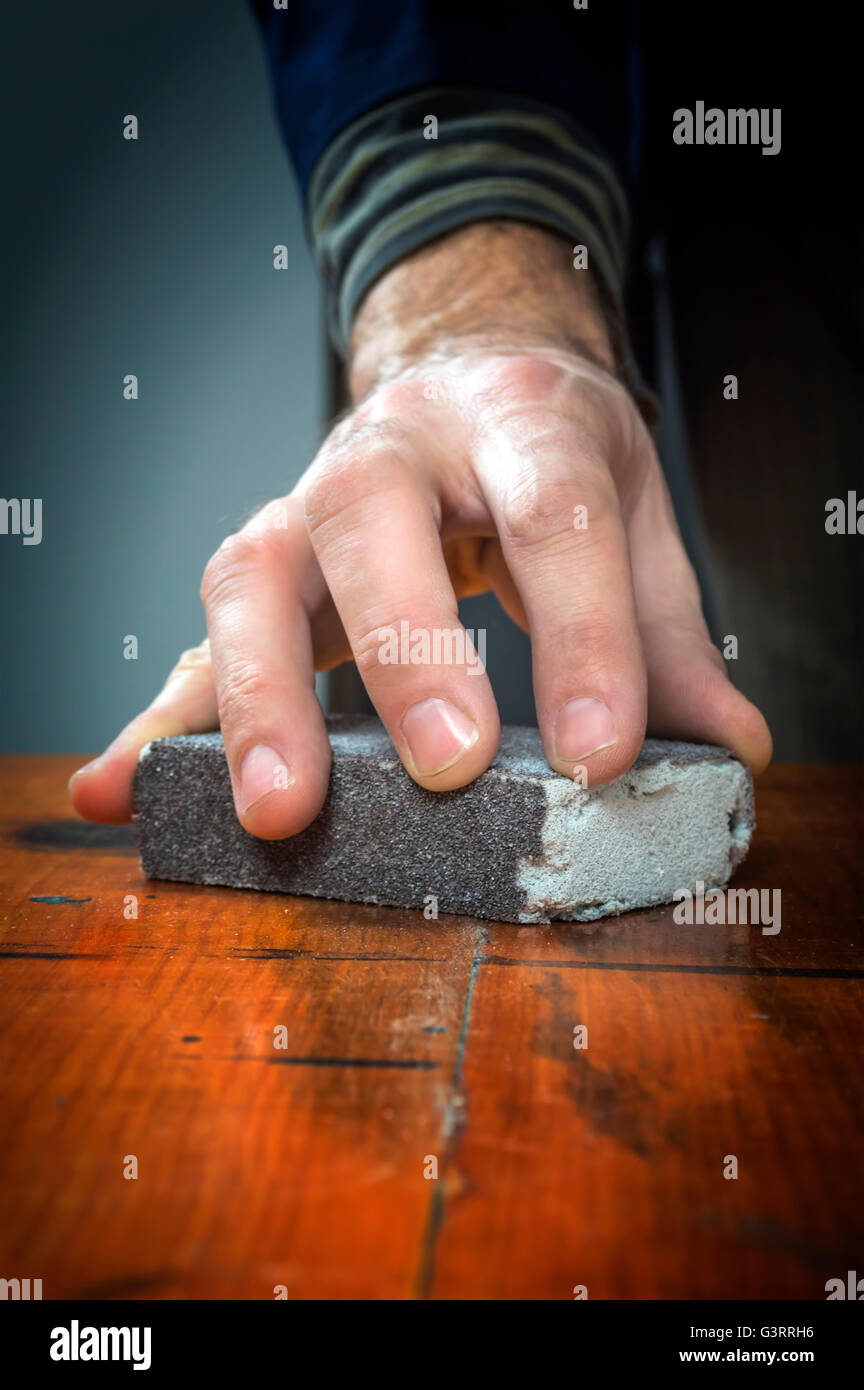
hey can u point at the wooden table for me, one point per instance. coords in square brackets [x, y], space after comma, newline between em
[411, 1042]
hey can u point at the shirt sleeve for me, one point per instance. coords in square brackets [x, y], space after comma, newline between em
[406, 119]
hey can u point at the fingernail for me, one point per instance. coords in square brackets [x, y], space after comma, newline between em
[583, 727]
[262, 771]
[438, 734]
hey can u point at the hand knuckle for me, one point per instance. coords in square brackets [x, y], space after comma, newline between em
[536, 508]
[367, 651]
[342, 478]
[244, 684]
[524, 376]
[277, 514]
[229, 567]
[193, 659]
[391, 405]
[355, 467]
[588, 630]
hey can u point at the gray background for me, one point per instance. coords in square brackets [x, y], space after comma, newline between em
[152, 257]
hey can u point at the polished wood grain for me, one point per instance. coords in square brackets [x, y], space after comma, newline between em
[410, 1041]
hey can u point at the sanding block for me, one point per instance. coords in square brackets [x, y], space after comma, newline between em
[520, 844]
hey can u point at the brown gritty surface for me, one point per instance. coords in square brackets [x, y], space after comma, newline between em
[409, 1038]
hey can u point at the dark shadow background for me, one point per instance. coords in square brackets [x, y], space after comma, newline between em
[765, 258]
[155, 257]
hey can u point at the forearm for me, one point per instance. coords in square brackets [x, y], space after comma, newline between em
[485, 285]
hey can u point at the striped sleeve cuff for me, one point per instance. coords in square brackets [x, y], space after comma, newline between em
[438, 158]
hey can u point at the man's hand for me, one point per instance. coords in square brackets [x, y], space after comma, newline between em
[491, 447]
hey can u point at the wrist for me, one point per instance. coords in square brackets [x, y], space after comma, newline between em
[483, 286]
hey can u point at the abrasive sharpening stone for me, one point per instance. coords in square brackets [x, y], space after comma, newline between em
[520, 844]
